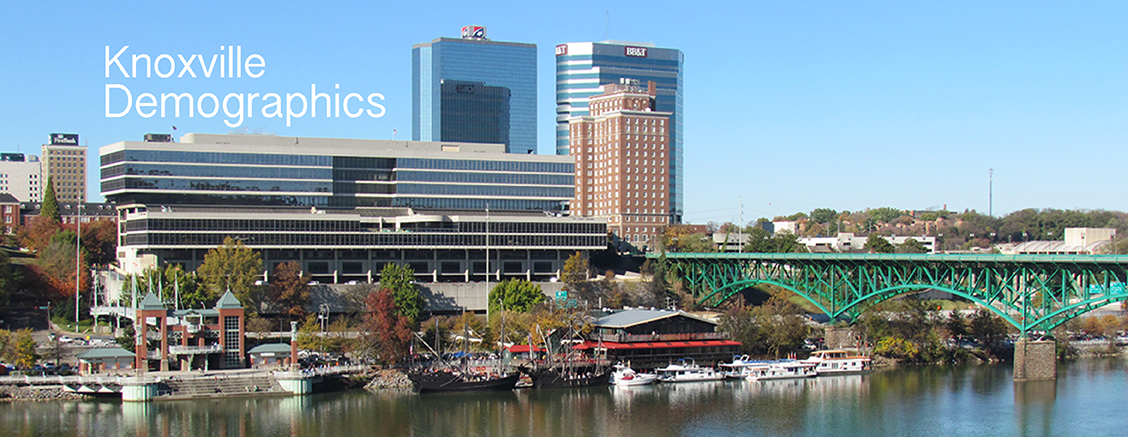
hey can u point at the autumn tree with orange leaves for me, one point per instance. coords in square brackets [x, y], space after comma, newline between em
[289, 290]
[384, 330]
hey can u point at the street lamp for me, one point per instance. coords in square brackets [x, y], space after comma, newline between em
[77, 260]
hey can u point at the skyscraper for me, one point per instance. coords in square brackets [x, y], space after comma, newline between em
[621, 154]
[581, 68]
[64, 164]
[453, 79]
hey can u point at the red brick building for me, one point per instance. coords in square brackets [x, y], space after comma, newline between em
[622, 155]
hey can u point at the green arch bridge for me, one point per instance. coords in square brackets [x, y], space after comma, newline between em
[1032, 292]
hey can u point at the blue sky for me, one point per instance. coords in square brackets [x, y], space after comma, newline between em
[789, 106]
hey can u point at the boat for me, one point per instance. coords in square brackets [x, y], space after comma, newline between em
[438, 381]
[568, 375]
[741, 366]
[687, 370]
[782, 369]
[626, 376]
[839, 362]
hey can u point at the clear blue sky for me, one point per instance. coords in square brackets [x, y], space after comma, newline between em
[789, 106]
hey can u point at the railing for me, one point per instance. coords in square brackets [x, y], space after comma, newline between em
[189, 350]
[633, 338]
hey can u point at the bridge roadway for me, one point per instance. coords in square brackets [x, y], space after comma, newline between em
[1035, 293]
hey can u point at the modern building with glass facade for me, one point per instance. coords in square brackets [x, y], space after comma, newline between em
[499, 67]
[345, 207]
[581, 68]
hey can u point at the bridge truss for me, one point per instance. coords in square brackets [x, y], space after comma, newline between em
[1031, 292]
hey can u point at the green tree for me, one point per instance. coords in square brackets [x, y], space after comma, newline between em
[877, 244]
[50, 206]
[401, 281]
[575, 277]
[885, 214]
[177, 281]
[786, 242]
[987, 328]
[910, 245]
[289, 290]
[824, 215]
[516, 295]
[17, 347]
[232, 266]
[759, 241]
[9, 278]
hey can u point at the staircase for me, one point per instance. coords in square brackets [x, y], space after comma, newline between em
[220, 386]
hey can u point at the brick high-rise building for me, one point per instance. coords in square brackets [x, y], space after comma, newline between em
[64, 163]
[622, 155]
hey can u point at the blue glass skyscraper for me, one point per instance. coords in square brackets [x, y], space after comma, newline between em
[581, 68]
[501, 68]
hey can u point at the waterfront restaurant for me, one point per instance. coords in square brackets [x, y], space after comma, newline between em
[654, 338]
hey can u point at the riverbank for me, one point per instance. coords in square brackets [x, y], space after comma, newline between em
[20, 394]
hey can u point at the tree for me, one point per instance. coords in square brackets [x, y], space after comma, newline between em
[9, 278]
[401, 281]
[575, 277]
[37, 233]
[235, 267]
[910, 245]
[289, 289]
[824, 215]
[384, 328]
[57, 265]
[99, 240]
[987, 328]
[516, 295]
[50, 206]
[177, 281]
[17, 347]
[877, 244]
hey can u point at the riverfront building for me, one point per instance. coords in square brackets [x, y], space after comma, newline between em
[64, 163]
[19, 176]
[343, 208]
[622, 157]
[654, 338]
[582, 68]
[473, 89]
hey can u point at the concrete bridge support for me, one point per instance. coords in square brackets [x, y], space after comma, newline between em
[1035, 360]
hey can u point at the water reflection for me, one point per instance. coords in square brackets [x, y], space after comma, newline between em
[1087, 401]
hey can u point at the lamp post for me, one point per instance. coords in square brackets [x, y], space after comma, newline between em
[77, 260]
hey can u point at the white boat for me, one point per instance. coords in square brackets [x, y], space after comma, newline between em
[784, 369]
[741, 366]
[686, 370]
[839, 362]
[626, 376]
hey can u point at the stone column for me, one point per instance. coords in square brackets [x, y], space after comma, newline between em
[1035, 360]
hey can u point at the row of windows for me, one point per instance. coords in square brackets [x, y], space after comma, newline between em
[216, 158]
[368, 239]
[218, 172]
[485, 178]
[377, 254]
[356, 162]
[502, 166]
[165, 198]
[478, 204]
[270, 225]
[486, 190]
[252, 185]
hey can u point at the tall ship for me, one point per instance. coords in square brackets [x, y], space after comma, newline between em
[454, 380]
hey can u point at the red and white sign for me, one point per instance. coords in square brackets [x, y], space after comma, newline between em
[562, 50]
[635, 52]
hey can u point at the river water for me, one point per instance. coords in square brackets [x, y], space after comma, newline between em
[1089, 399]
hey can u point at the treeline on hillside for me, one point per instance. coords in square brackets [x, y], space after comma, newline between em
[954, 230]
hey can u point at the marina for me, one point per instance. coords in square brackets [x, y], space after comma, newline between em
[928, 400]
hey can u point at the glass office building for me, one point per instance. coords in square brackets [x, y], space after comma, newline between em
[502, 67]
[581, 68]
[343, 207]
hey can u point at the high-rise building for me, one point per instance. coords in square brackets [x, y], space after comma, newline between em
[621, 151]
[581, 68]
[452, 77]
[19, 176]
[64, 164]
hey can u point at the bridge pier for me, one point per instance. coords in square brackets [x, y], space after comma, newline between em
[1035, 360]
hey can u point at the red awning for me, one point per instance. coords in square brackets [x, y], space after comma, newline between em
[523, 348]
[655, 344]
